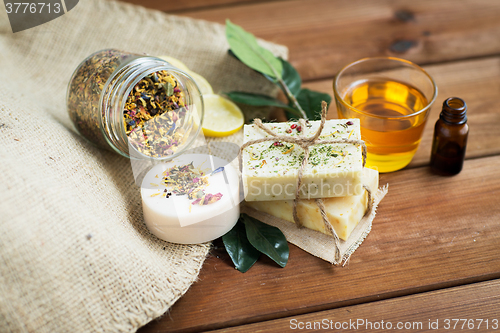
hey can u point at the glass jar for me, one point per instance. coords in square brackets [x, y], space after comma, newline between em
[137, 105]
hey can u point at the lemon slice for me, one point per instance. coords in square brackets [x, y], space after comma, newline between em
[222, 117]
[205, 87]
[175, 62]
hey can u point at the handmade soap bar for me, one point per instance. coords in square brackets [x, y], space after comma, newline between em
[270, 168]
[191, 199]
[343, 213]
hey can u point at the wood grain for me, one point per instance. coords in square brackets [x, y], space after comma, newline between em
[324, 35]
[475, 81]
[431, 232]
[171, 6]
[475, 304]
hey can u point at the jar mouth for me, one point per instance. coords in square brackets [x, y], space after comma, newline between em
[454, 111]
[457, 105]
[393, 60]
[129, 76]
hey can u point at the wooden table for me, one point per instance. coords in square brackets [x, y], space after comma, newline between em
[434, 250]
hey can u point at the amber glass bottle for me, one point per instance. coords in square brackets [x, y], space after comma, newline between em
[450, 138]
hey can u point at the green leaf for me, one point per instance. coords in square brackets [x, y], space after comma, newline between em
[169, 88]
[310, 101]
[242, 253]
[259, 100]
[291, 77]
[245, 47]
[267, 239]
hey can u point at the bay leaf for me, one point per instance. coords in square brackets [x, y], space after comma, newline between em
[291, 77]
[245, 47]
[310, 101]
[267, 239]
[259, 100]
[242, 253]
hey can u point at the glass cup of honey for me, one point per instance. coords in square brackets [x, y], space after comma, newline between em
[392, 98]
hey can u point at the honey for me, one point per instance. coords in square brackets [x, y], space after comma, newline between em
[391, 124]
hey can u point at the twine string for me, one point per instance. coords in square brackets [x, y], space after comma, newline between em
[305, 143]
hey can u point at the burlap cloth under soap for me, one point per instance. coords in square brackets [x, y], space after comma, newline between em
[317, 243]
[75, 255]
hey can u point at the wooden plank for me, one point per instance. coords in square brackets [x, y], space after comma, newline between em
[324, 35]
[185, 5]
[472, 307]
[431, 232]
[475, 81]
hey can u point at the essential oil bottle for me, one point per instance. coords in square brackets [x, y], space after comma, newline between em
[450, 138]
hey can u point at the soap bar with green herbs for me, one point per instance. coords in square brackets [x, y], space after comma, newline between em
[270, 168]
[344, 213]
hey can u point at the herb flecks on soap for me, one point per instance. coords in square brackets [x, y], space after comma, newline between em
[287, 156]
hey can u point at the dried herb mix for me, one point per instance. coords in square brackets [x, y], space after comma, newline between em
[153, 112]
[190, 181]
[85, 90]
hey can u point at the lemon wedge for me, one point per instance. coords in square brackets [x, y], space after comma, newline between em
[175, 62]
[205, 87]
[222, 117]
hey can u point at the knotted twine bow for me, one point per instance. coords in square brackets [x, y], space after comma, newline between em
[306, 143]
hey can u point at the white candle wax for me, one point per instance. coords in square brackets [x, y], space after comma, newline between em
[179, 219]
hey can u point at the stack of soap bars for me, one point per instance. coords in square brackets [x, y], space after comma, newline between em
[334, 173]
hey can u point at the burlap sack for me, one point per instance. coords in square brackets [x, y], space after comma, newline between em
[75, 255]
